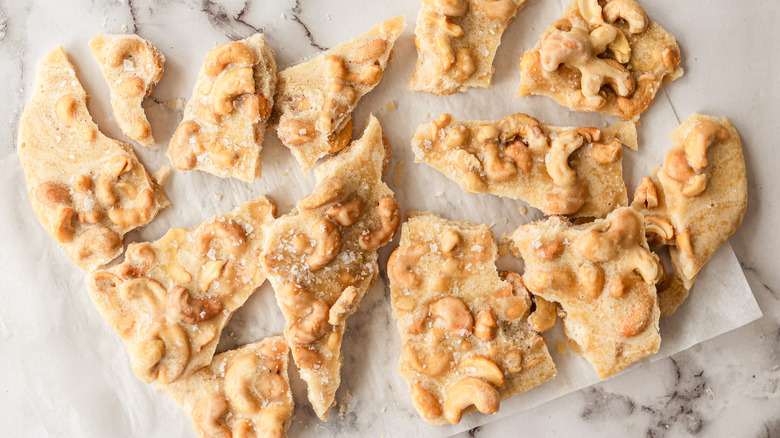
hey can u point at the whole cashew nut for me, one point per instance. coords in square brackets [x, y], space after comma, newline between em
[345, 305]
[75, 117]
[140, 213]
[145, 292]
[699, 139]
[628, 10]
[182, 307]
[470, 391]
[184, 148]
[240, 384]
[425, 402]
[327, 191]
[231, 53]
[231, 235]
[311, 327]
[483, 368]
[231, 85]
[401, 265]
[100, 241]
[390, 216]
[162, 354]
[557, 160]
[524, 126]
[328, 244]
[346, 213]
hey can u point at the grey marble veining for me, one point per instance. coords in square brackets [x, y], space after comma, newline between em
[728, 386]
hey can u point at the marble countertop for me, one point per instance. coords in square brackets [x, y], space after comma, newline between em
[727, 386]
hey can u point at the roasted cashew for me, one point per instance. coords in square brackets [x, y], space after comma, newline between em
[73, 116]
[483, 368]
[591, 278]
[390, 216]
[497, 169]
[454, 313]
[646, 87]
[120, 164]
[327, 191]
[131, 87]
[162, 354]
[699, 139]
[628, 10]
[185, 148]
[557, 160]
[104, 191]
[100, 241]
[231, 53]
[433, 365]
[51, 194]
[639, 319]
[140, 213]
[401, 265]
[485, 326]
[591, 12]
[327, 236]
[659, 226]
[347, 212]
[230, 86]
[311, 327]
[501, 10]
[271, 421]
[182, 307]
[241, 383]
[606, 153]
[139, 258]
[518, 300]
[295, 132]
[524, 126]
[345, 305]
[206, 416]
[229, 233]
[646, 195]
[426, 403]
[564, 200]
[146, 293]
[545, 315]
[468, 391]
[127, 48]
[519, 153]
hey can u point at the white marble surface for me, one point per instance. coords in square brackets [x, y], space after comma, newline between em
[728, 386]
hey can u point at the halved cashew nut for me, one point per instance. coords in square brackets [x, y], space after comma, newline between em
[545, 315]
[605, 153]
[425, 402]
[449, 241]
[240, 384]
[470, 391]
[72, 114]
[230, 86]
[519, 153]
[454, 313]
[639, 319]
[311, 327]
[345, 305]
[295, 132]
[226, 54]
[646, 195]
[485, 326]
[206, 416]
[327, 236]
[390, 216]
[483, 368]
[120, 164]
[184, 149]
[140, 213]
[231, 234]
[518, 300]
[564, 200]
[163, 354]
[210, 272]
[591, 278]
[100, 241]
[51, 194]
[139, 258]
[104, 191]
[549, 250]
[182, 307]
[346, 213]
[628, 10]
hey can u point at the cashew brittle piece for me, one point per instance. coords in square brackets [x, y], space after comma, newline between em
[225, 119]
[603, 280]
[316, 98]
[131, 67]
[467, 341]
[170, 299]
[86, 189]
[241, 393]
[611, 59]
[572, 171]
[321, 266]
[456, 42]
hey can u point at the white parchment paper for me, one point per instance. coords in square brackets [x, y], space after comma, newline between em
[75, 368]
